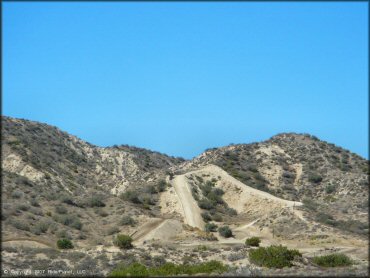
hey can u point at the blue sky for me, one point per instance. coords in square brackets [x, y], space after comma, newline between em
[182, 77]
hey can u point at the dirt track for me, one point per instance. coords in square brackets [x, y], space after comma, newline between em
[31, 242]
[189, 206]
[145, 229]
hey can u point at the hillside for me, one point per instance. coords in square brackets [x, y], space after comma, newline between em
[330, 180]
[292, 189]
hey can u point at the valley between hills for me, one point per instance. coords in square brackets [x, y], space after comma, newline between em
[293, 190]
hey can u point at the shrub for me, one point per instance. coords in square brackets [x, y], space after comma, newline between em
[147, 200]
[236, 256]
[128, 220]
[253, 241]
[161, 186]
[17, 194]
[21, 225]
[34, 203]
[225, 231]
[273, 256]
[63, 234]
[112, 230]
[231, 211]
[315, 178]
[330, 189]
[68, 220]
[206, 216]
[210, 227]
[253, 168]
[76, 224]
[218, 191]
[61, 210]
[67, 200]
[101, 212]
[64, 243]
[310, 204]
[333, 260]
[206, 204]
[215, 198]
[158, 260]
[217, 217]
[41, 227]
[288, 175]
[131, 196]
[95, 201]
[23, 207]
[123, 241]
[325, 218]
[168, 269]
[150, 189]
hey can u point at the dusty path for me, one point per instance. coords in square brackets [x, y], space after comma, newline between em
[31, 242]
[247, 225]
[146, 228]
[192, 212]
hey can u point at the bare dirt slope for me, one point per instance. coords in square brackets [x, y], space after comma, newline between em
[192, 213]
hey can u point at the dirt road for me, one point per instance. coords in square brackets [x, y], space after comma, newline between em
[192, 212]
[146, 228]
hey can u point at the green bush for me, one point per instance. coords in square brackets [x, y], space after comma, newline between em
[215, 198]
[150, 189]
[325, 218]
[231, 211]
[23, 207]
[21, 225]
[34, 203]
[68, 220]
[61, 210]
[206, 204]
[95, 201]
[64, 243]
[253, 241]
[67, 200]
[225, 231]
[330, 189]
[206, 216]
[210, 227]
[17, 194]
[131, 196]
[112, 230]
[273, 256]
[217, 217]
[128, 220]
[310, 204]
[168, 269]
[333, 260]
[161, 186]
[123, 241]
[315, 178]
[218, 191]
[41, 227]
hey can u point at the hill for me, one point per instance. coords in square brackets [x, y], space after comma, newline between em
[292, 189]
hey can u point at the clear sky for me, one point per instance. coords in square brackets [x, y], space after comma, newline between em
[182, 77]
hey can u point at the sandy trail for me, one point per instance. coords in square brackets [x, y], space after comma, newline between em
[247, 225]
[146, 228]
[192, 212]
[30, 242]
